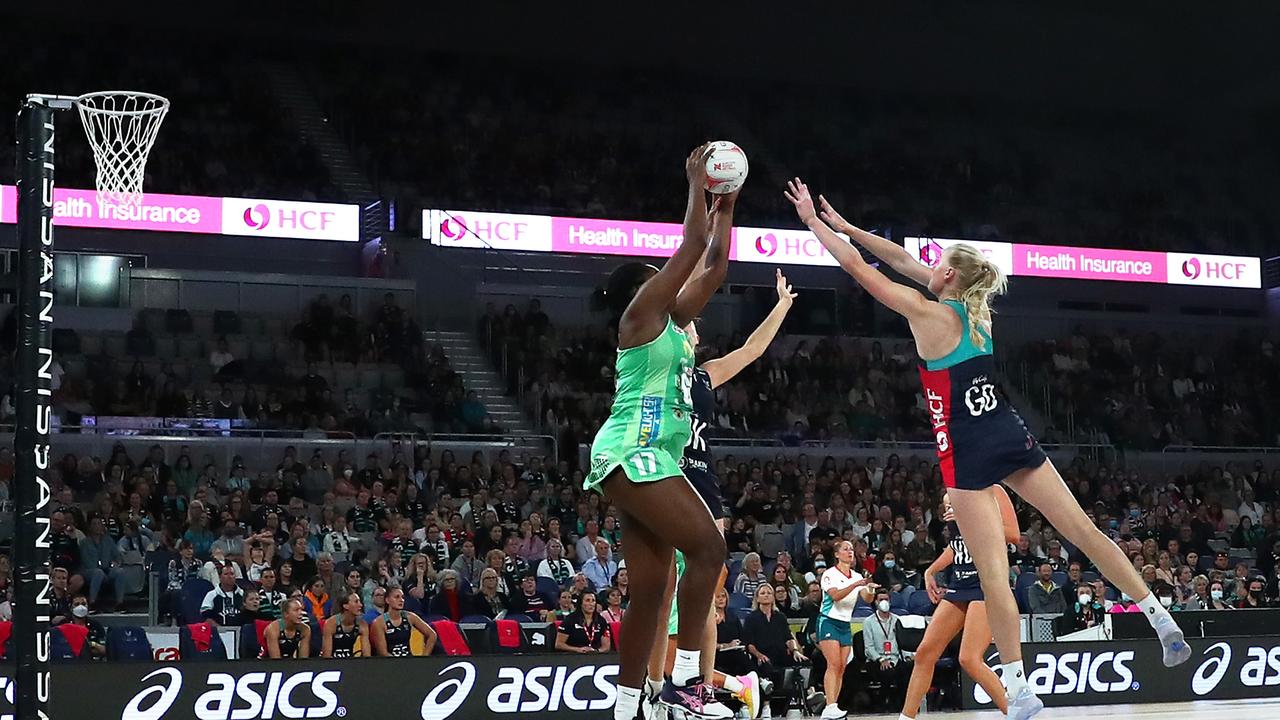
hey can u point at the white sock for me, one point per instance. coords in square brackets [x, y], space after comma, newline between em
[1015, 678]
[1152, 608]
[628, 703]
[653, 686]
[903, 716]
[732, 684]
[688, 666]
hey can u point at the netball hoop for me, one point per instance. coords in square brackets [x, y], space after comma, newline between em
[122, 126]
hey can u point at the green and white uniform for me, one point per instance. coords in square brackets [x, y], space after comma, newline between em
[673, 622]
[648, 426]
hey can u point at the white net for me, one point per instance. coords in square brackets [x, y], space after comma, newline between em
[122, 127]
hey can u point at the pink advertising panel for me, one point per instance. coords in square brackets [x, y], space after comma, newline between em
[158, 212]
[1056, 261]
[780, 246]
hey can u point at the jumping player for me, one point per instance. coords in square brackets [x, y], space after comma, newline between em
[841, 588]
[960, 606]
[635, 458]
[981, 440]
[343, 630]
[392, 630]
[699, 467]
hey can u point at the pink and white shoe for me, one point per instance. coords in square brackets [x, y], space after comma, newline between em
[696, 700]
[751, 693]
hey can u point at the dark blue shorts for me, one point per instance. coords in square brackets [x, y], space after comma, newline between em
[963, 595]
[708, 488]
[987, 452]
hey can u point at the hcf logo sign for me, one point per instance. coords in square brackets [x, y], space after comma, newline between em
[288, 219]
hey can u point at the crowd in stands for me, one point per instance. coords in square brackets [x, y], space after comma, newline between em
[566, 376]
[332, 373]
[505, 536]
[1148, 391]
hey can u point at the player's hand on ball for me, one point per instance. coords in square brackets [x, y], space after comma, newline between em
[695, 166]
[798, 193]
[785, 294]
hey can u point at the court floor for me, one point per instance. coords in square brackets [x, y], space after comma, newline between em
[1260, 709]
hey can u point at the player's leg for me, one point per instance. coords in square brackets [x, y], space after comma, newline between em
[835, 650]
[978, 515]
[947, 620]
[659, 666]
[973, 646]
[648, 564]
[671, 510]
[1043, 488]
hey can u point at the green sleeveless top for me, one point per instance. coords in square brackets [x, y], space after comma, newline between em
[660, 368]
[966, 350]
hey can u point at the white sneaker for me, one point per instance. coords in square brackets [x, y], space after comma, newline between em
[1025, 705]
[1176, 649]
[833, 712]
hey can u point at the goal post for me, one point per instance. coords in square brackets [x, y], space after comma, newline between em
[34, 406]
[121, 127]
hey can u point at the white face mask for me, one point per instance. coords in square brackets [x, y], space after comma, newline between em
[1166, 601]
[883, 605]
[1084, 599]
[1215, 594]
[80, 611]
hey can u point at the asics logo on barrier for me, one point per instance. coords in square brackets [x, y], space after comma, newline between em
[448, 696]
[1071, 673]
[257, 216]
[157, 699]
[8, 685]
[539, 689]
[1262, 668]
[252, 696]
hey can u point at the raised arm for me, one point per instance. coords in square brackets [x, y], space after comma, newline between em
[903, 300]
[722, 370]
[646, 315]
[697, 292]
[888, 251]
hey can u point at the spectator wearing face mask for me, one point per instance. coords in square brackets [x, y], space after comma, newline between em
[1218, 597]
[1255, 595]
[96, 641]
[1087, 610]
[885, 658]
[890, 575]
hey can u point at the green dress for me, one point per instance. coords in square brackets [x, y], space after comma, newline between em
[648, 426]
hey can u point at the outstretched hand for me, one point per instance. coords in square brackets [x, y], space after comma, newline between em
[695, 166]
[798, 193]
[831, 217]
[785, 294]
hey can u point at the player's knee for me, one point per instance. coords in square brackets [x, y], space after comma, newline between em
[928, 655]
[708, 552]
[970, 662]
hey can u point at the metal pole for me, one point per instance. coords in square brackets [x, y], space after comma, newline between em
[34, 407]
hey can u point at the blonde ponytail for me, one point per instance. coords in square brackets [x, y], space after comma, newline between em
[979, 279]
